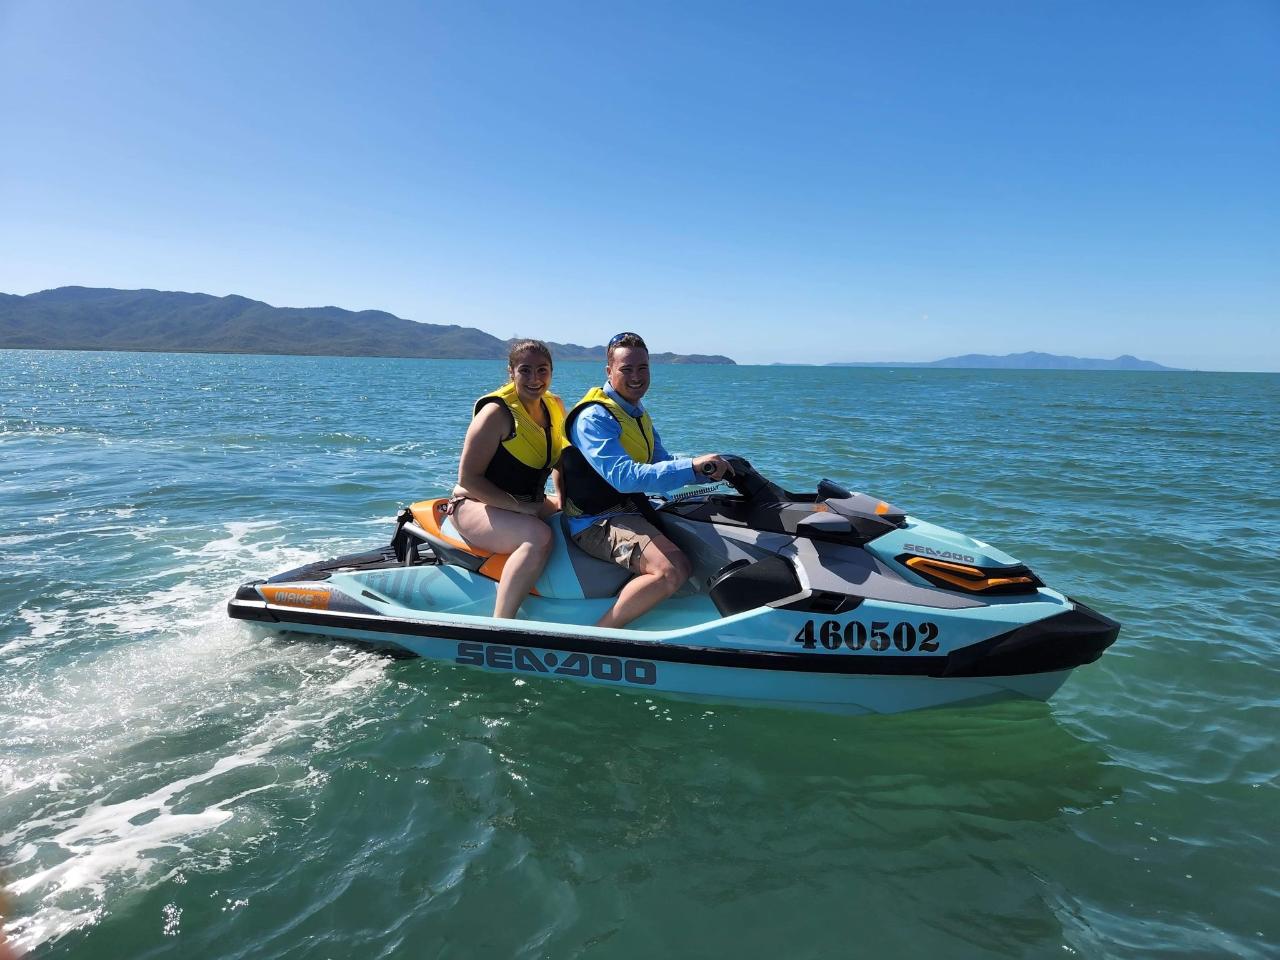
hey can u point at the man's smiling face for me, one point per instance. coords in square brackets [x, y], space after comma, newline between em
[628, 372]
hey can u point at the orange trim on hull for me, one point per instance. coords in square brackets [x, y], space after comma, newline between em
[309, 598]
[968, 578]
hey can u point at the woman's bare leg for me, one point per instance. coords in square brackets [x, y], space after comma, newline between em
[527, 539]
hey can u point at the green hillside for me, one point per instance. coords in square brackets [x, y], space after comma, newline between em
[84, 318]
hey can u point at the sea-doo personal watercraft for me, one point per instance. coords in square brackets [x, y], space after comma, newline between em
[830, 600]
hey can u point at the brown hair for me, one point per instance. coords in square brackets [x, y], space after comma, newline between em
[528, 346]
[623, 340]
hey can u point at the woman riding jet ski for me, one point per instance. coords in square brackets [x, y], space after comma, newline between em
[828, 600]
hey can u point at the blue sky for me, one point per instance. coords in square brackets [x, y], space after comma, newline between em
[794, 182]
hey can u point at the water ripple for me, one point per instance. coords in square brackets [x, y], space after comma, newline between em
[173, 781]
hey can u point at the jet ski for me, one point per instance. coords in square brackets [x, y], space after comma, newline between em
[831, 600]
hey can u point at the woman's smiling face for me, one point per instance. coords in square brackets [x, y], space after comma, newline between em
[531, 373]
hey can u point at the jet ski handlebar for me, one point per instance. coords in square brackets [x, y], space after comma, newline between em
[867, 515]
[751, 483]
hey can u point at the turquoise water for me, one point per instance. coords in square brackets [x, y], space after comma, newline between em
[174, 784]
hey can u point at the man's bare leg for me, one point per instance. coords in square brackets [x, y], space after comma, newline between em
[660, 572]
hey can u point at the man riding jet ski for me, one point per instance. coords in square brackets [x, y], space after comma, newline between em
[614, 457]
[828, 600]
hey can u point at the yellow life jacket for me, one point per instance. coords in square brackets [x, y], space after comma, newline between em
[637, 432]
[586, 492]
[528, 453]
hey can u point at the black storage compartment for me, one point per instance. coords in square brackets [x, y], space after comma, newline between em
[745, 585]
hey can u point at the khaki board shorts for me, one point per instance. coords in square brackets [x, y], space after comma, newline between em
[620, 539]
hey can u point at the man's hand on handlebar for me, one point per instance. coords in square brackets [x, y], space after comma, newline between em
[712, 466]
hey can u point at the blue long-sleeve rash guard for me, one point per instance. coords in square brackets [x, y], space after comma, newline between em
[599, 437]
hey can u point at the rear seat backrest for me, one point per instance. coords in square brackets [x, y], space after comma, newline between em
[571, 574]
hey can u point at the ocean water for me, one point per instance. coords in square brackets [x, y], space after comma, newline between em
[175, 784]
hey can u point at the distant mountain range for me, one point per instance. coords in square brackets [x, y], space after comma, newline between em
[1023, 361]
[84, 318]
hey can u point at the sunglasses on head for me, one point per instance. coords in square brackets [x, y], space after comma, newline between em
[619, 337]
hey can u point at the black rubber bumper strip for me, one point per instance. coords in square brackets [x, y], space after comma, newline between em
[1060, 642]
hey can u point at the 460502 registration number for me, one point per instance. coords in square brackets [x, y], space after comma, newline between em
[878, 637]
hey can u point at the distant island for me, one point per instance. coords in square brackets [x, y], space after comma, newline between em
[85, 318]
[1021, 361]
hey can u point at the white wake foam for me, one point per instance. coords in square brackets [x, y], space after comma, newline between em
[94, 720]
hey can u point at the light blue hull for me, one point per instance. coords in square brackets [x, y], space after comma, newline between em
[827, 693]
[758, 656]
